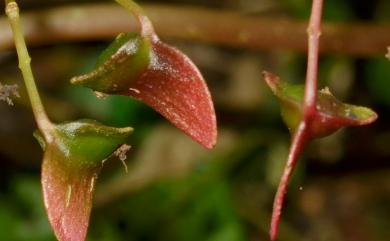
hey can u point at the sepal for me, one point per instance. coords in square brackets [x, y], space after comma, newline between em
[71, 164]
[330, 115]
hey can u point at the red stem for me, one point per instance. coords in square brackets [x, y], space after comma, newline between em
[302, 134]
[299, 139]
[314, 32]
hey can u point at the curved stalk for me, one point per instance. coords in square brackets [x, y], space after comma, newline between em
[44, 124]
[146, 25]
[298, 142]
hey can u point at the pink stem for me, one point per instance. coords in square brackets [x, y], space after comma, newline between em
[302, 134]
[314, 32]
[147, 29]
[297, 144]
[146, 25]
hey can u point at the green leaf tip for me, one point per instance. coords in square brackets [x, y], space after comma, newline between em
[354, 115]
[85, 142]
[88, 142]
[290, 98]
[331, 114]
[127, 57]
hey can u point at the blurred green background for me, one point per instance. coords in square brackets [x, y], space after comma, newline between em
[177, 191]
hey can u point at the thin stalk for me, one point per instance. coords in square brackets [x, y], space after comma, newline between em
[302, 134]
[146, 25]
[314, 33]
[44, 124]
[298, 142]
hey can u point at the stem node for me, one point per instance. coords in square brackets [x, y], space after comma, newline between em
[44, 124]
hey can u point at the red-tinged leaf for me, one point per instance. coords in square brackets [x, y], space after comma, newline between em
[67, 195]
[332, 115]
[160, 76]
[174, 87]
[71, 163]
[143, 67]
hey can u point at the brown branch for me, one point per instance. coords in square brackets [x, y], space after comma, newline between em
[103, 21]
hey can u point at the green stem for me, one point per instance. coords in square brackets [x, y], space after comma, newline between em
[44, 124]
[146, 25]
